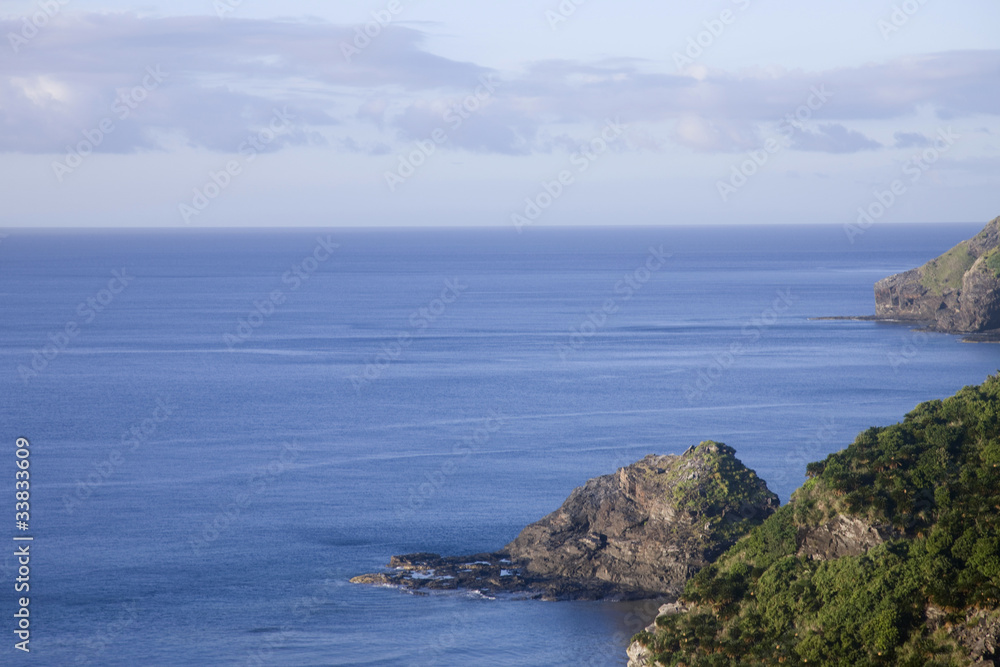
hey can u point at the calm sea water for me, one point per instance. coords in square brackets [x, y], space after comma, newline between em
[203, 489]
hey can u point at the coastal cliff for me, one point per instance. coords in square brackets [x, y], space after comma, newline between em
[641, 532]
[888, 555]
[958, 292]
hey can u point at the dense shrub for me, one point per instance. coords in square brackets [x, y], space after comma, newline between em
[934, 480]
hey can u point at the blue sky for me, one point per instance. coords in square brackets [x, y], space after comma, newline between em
[229, 113]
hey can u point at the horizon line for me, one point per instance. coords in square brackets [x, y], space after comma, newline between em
[193, 228]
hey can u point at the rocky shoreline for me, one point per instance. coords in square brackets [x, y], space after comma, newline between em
[956, 293]
[638, 533]
[491, 575]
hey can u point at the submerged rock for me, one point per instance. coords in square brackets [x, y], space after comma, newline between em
[638, 533]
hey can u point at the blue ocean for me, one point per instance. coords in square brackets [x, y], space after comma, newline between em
[226, 426]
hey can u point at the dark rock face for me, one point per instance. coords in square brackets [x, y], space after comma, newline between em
[638, 533]
[843, 536]
[958, 292]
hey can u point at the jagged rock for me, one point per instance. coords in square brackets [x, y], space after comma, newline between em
[843, 536]
[958, 292]
[651, 525]
[979, 634]
[638, 533]
[639, 655]
[372, 579]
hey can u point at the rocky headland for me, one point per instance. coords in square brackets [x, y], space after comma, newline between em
[888, 555]
[640, 532]
[958, 292]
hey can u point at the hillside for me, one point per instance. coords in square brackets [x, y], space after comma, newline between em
[888, 555]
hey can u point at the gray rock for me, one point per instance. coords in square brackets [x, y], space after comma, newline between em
[843, 536]
[641, 532]
[652, 525]
[979, 634]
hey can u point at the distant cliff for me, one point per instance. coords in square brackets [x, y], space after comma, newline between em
[638, 533]
[959, 292]
[888, 555]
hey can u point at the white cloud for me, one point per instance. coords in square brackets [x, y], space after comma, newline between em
[226, 78]
[832, 138]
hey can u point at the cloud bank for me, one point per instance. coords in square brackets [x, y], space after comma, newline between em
[223, 80]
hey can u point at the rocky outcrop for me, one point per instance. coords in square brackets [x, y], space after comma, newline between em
[638, 533]
[958, 292]
[978, 633]
[652, 524]
[490, 575]
[842, 536]
[640, 655]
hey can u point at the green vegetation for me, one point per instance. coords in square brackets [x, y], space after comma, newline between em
[993, 261]
[934, 481]
[723, 483]
[945, 272]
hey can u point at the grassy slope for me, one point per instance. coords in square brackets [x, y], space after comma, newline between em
[993, 261]
[945, 272]
[935, 478]
[729, 484]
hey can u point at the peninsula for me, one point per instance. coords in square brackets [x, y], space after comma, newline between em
[958, 292]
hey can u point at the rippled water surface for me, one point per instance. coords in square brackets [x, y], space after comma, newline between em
[203, 489]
